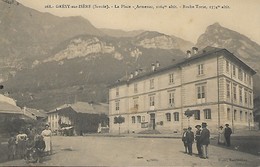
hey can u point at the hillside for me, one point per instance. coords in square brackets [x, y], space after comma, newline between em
[243, 47]
[47, 61]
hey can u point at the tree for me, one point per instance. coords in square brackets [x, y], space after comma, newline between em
[118, 120]
[189, 113]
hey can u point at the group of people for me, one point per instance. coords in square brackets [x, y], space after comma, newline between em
[27, 144]
[202, 138]
[224, 135]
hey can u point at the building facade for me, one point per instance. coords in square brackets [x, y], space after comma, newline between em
[83, 117]
[213, 83]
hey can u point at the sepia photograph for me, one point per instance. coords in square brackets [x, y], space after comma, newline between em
[130, 83]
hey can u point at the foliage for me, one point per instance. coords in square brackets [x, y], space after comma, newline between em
[119, 119]
[189, 113]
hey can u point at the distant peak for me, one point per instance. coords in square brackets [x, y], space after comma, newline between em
[216, 24]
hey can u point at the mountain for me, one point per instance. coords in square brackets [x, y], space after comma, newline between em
[27, 35]
[81, 68]
[120, 33]
[243, 47]
[47, 61]
[153, 39]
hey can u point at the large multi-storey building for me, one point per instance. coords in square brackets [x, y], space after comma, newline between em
[213, 83]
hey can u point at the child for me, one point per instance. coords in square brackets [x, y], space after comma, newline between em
[11, 146]
[39, 146]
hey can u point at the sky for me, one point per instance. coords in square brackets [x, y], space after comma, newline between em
[242, 16]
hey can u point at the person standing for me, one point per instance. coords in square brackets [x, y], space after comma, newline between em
[204, 140]
[21, 144]
[46, 133]
[227, 134]
[190, 140]
[184, 139]
[11, 147]
[39, 146]
[221, 137]
[197, 138]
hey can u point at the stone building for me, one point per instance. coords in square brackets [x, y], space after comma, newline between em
[212, 83]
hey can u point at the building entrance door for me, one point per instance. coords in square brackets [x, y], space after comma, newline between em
[152, 120]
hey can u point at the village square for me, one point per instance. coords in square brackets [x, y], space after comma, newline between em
[132, 150]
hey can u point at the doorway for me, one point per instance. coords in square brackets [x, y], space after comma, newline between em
[152, 120]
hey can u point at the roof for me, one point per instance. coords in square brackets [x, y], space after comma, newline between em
[7, 99]
[101, 108]
[206, 52]
[6, 108]
[36, 113]
[84, 107]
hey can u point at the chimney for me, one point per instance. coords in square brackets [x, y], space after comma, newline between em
[153, 67]
[136, 72]
[131, 75]
[188, 53]
[157, 64]
[195, 50]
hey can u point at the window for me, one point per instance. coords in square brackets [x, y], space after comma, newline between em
[234, 70]
[168, 117]
[250, 117]
[241, 115]
[151, 100]
[171, 78]
[228, 113]
[138, 119]
[245, 96]
[235, 92]
[135, 88]
[117, 105]
[176, 116]
[246, 117]
[200, 69]
[151, 83]
[240, 74]
[197, 114]
[136, 103]
[250, 98]
[201, 91]
[249, 80]
[133, 119]
[240, 95]
[115, 120]
[143, 118]
[171, 98]
[117, 91]
[245, 77]
[207, 113]
[235, 115]
[227, 66]
[228, 89]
